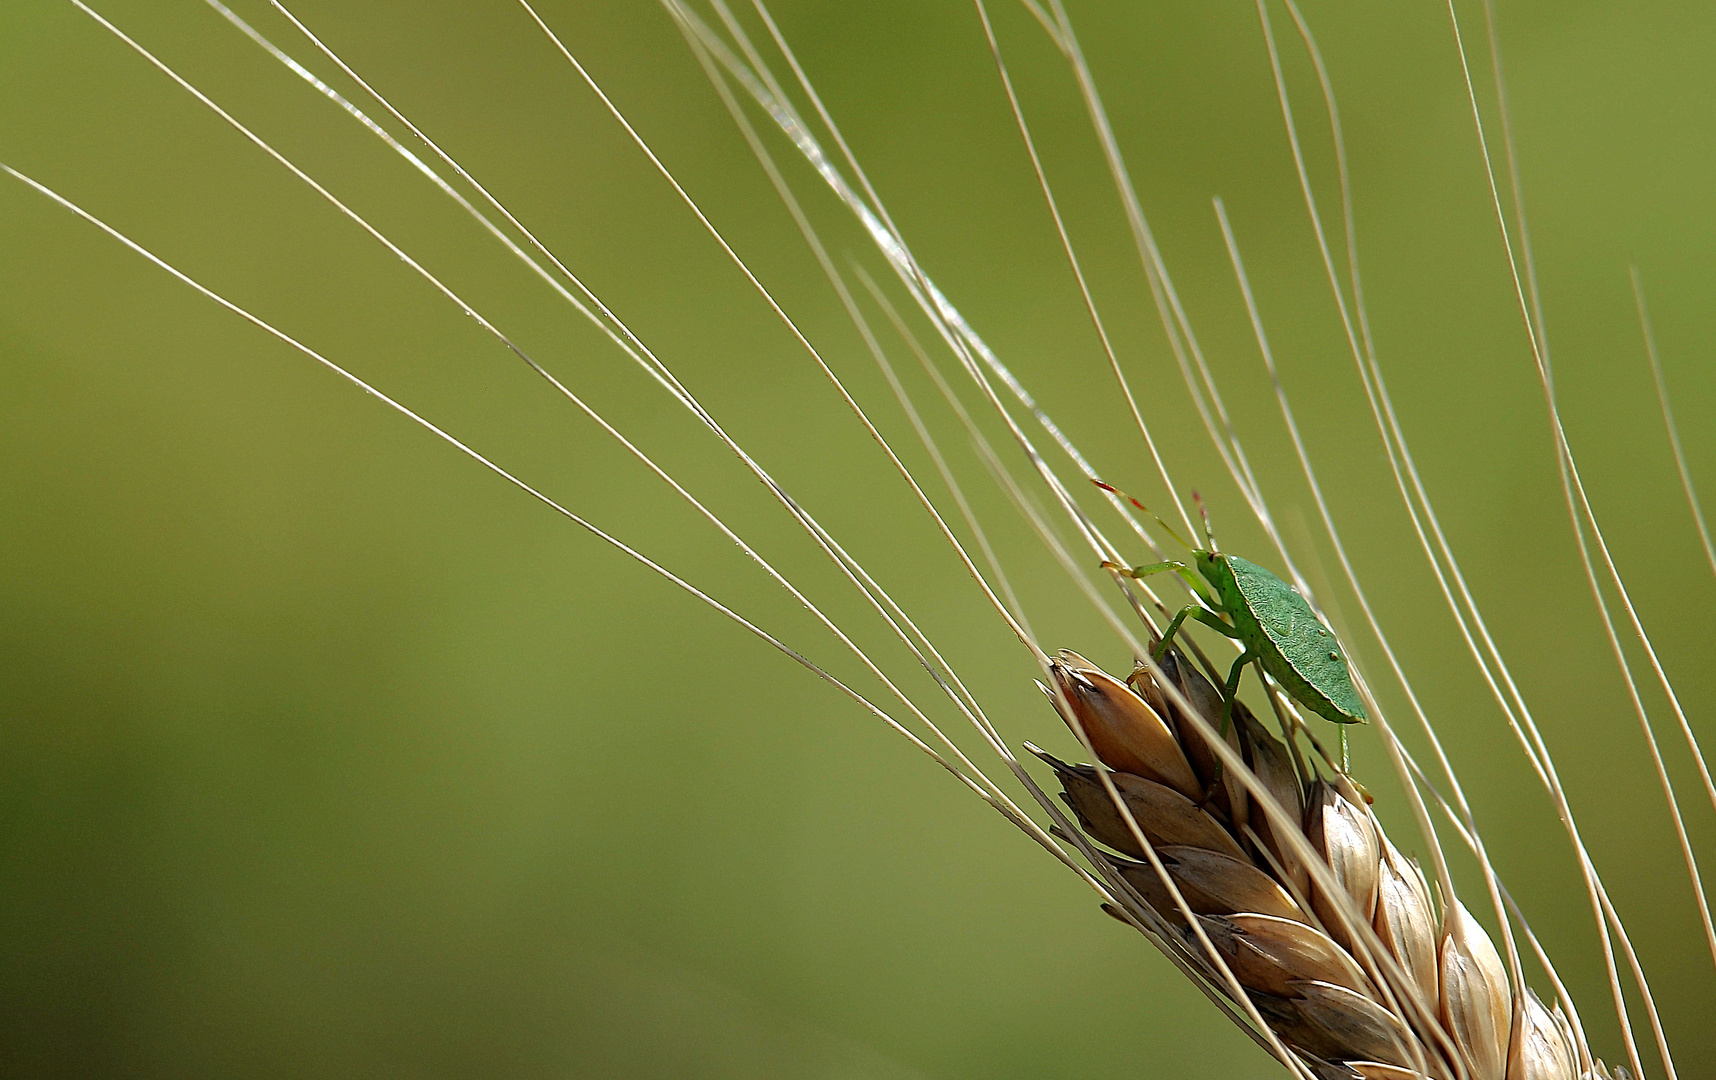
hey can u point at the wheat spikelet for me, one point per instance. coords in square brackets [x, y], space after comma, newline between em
[1349, 964]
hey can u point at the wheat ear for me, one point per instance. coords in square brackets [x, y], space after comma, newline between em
[1349, 962]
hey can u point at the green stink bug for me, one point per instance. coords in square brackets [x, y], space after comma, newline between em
[1272, 621]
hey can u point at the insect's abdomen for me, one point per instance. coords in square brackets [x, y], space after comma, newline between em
[1306, 659]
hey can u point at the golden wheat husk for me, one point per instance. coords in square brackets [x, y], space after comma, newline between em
[1351, 966]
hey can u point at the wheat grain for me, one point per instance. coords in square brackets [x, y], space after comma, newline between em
[1398, 991]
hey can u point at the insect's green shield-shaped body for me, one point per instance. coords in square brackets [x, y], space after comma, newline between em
[1291, 643]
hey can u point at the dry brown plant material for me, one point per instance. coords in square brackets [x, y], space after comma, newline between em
[1351, 968]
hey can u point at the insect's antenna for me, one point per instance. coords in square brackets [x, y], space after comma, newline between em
[1204, 512]
[1167, 528]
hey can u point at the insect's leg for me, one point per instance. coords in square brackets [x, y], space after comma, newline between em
[1174, 565]
[1231, 690]
[1161, 648]
[1195, 611]
[1227, 696]
[1212, 620]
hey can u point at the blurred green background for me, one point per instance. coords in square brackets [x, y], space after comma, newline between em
[326, 753]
